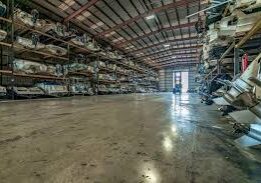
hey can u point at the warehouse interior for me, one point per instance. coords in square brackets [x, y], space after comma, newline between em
[130, 91]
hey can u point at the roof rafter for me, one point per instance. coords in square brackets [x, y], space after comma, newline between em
[162, 43]
[174, 59]
[172, 49]
[175, 55]
[176, 63]
[79, 11]
[153, 11]
[156, 32]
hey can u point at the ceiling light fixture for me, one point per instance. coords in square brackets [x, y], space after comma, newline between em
[150, 17]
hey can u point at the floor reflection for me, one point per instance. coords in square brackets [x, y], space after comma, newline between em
[167, 144]
[177, 109]
[150, 173]
[179, 122]
[174, 129]
[168, 140]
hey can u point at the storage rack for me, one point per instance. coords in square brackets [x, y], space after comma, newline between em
[117, 73]
[8, 46]
[239, 42]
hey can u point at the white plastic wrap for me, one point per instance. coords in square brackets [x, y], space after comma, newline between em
[123, 78]
[77, 41]
[55, 29]
[27, 91]
[90, 69]
[102, 64]
[3, 35]
[92, 46]
[76, 67]
[131, 63]
[103, 76]
[55, 50]
[28, 43]
[102, 53]
[53, 89]
[246, 21]
[29, 67]
[112, 66]
[244, 3]
[236, 23]
[78, 88]
[122, 70]
[26, 19]
[46, 25]
[99, 64]
[112, 55]
[106, 77]
[102, 88]
[256, 4]
[81, 88]
[2, 91]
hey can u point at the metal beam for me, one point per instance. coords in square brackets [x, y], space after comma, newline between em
[79, 11]
[143, 15]
[236, 61]
[155, 32]
[211, 7]
[173, 59]
[172, 49]
[250, 33]
[177, 56]
[227, 52]
[177, 63]
[162, 43]
[180, 63]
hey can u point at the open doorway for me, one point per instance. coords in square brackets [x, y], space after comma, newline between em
[180, 81]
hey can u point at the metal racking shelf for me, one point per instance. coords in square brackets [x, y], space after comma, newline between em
[242, 40]
[5, 44]
[42, 53]
[82, 73]
[104, 81]
[72, 49]
[8, 72]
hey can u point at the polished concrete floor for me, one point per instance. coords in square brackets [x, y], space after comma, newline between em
[138, 138]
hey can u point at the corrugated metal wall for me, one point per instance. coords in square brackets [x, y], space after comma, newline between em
[169, 80]
[166, 77]
[162, 80]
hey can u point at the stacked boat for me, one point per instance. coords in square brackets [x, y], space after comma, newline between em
[245, 95]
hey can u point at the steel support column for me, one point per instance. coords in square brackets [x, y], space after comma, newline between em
[236, 61]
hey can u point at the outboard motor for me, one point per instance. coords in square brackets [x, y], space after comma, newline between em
[35, 39]
[35, 15]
